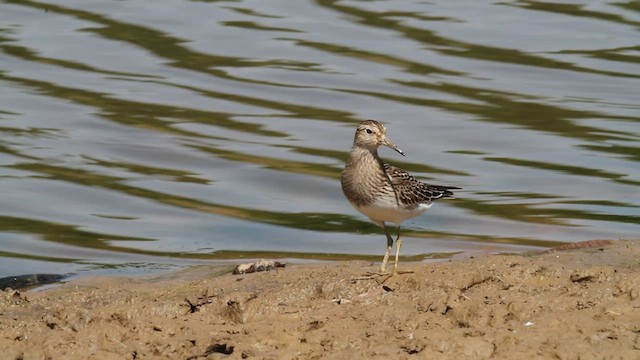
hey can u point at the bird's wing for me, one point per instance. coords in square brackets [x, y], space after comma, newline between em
[411, 191]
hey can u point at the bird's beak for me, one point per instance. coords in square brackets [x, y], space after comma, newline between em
[386, 142]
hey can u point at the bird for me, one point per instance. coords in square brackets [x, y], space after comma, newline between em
[382, 192]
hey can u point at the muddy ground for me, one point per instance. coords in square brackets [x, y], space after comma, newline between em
[571, 304]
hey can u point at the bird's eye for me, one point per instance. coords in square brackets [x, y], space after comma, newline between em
[369, 131]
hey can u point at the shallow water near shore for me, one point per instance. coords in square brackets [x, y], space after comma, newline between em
[138, 137]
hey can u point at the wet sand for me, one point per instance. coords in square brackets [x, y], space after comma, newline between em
[569, 304]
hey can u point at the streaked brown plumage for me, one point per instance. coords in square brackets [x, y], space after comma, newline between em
[382, 192]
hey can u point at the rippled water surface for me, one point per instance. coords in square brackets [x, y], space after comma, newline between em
[138, 136]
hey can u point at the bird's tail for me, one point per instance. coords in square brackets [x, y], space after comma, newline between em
[446, 191]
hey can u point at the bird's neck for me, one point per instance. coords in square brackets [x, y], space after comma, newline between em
[364, 157]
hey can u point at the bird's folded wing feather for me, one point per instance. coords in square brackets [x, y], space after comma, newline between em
[411, 191]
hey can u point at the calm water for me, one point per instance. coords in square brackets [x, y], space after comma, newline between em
[138, 136]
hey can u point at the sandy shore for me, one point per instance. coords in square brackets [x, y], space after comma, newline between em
[571, 304]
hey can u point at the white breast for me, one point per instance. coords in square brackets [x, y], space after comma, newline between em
[389, 212]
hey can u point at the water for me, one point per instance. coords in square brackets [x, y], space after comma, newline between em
[143, 136]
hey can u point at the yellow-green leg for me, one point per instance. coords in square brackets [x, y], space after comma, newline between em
[389, 246]
[398, 246]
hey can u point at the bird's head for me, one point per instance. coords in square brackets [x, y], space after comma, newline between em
[370, 134]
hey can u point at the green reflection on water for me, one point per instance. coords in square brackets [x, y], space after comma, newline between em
[13, 255]
[255, 26]
[510, 108]
[628, 152]
[609, 54]
[301, 220]
[409, 66]
[143, 115]
[455, 47]
[174, 175]
[70, 235]
[63, 234]
[487, 105]
[251, 12]
[164, 45]
[573, 170]
[578, 10]
[27, 54]
[152, 116]
[535, 213]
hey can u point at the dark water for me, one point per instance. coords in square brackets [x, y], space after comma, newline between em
[138, 136]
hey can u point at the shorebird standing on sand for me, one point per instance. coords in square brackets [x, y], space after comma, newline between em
[383, 192]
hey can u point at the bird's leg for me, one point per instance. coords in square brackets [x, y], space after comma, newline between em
[383, 273]
[389, 246]
[398, 246]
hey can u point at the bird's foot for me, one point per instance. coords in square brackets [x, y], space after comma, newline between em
[380, 277]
